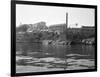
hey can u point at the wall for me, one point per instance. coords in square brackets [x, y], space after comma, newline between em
[5, 18]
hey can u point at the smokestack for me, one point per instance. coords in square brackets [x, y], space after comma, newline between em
[66, 20]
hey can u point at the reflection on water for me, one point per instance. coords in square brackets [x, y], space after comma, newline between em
[53, 57]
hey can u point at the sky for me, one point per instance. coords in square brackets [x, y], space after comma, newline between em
[30, 14]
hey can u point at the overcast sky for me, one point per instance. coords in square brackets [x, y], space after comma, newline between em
[30, 14]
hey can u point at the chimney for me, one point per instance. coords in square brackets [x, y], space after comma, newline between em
[66, 20]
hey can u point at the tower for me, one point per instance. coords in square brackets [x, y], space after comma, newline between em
[66, 20]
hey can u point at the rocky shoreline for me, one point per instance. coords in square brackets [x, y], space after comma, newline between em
[89, 41]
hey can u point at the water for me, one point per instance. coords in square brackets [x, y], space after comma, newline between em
[53, 57]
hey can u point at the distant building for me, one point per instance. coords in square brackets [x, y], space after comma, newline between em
[58, 27]
[74, 30]
[88, 30]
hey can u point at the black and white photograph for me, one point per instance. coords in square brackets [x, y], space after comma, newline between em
[54, 38]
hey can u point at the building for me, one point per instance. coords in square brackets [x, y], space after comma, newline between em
[58, 27]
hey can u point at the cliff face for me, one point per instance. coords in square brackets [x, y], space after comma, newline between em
[38, 26]
[31, 27]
